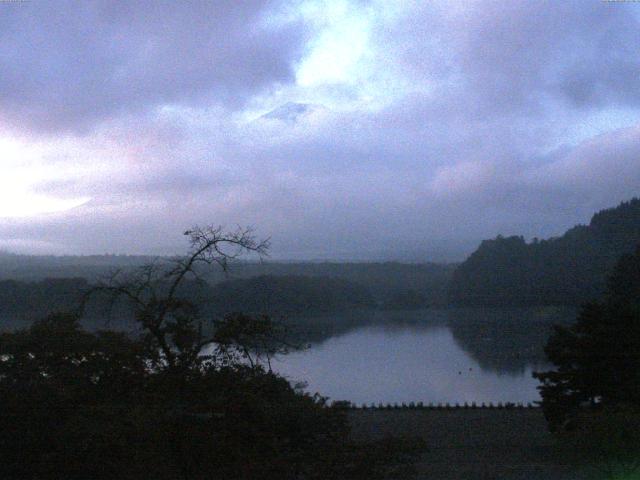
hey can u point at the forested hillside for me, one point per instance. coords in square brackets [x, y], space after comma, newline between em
[28, 301]
[567, 270]
[24, 302]
[393, 284]
[291, 294]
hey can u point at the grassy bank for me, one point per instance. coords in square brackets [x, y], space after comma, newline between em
[472, 444]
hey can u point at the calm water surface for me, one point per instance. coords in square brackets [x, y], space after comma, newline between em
[430, 356]
[424, 362]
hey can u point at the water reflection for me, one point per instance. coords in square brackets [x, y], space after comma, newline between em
[429, 356]
[507, 340]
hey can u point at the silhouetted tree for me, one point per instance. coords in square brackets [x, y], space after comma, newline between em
[155, 292]
[598, 358]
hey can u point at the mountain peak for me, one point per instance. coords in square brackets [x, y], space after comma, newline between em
[291, 112]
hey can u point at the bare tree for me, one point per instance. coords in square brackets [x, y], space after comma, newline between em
[255, 339]
[155, 292]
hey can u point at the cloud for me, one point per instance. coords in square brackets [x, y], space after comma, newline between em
[455, 122]
[67, 66]
[600, 168]
[517, 55]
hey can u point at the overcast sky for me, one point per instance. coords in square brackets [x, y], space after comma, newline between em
[339, 128]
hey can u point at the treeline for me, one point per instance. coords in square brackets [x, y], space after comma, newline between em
[40, 267]
[274, 288]
[288, 295]
[392, 284]
[21, 301]
[567, 270]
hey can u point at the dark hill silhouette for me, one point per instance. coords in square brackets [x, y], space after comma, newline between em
[291, 294]
[566, 270]
[23, 302]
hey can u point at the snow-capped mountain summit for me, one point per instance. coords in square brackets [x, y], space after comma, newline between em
[291, 112]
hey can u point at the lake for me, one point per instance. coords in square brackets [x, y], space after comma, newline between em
[431, 356]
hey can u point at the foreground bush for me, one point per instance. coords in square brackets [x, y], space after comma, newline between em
[79, 405]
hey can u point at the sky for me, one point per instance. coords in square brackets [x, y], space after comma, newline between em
[341, 129]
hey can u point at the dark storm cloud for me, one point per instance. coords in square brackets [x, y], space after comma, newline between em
[66, 65]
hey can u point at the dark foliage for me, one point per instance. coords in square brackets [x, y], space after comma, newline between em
[289, 294]
[598, 358]
[408, 300]
[62, 390]
[393, 285]
[385, 281]
[80, 405]
[34, 300]
[568, 270]
[286, 295]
